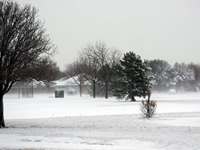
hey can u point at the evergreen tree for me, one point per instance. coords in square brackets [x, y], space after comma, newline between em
[161, 71]
[130, 77]
[182, 73]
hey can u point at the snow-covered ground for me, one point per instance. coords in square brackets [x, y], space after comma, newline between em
[48, 123]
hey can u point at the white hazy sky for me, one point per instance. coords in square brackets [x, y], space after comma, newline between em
[153, 29]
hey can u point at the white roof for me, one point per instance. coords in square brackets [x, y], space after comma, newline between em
[69, 81]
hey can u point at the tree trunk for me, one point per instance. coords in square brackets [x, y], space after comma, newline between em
[148, 107]
[94, 89]
[2, 123]
[106, 90]
[133, 99]
[148, 102]
[132, 95]
[80, 89]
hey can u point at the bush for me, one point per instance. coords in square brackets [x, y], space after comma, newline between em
[148, 108]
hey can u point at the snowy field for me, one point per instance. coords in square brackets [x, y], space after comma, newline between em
[74, 123]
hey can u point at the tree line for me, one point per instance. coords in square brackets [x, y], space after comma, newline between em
[107, 70]
[185, 76]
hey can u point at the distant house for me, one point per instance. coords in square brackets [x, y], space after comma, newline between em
[69, 85]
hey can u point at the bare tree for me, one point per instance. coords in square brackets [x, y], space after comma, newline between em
[90, 66]
[148, 107]
[45, 69]
[107, 58]
[75, 71]
[99, 61]
[23, 43]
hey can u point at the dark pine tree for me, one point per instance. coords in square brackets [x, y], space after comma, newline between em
[130, 77]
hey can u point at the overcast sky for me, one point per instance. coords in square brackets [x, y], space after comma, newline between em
[153, 29]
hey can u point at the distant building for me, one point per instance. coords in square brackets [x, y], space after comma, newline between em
[70, 86]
